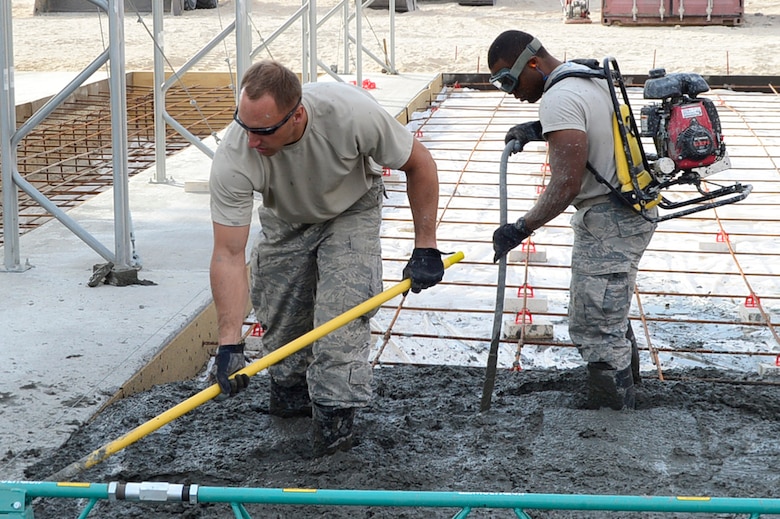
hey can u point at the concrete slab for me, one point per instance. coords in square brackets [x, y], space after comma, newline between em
[532, 304]
[67, 347]
[34, 86]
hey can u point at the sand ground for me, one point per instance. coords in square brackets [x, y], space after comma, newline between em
[436, 37]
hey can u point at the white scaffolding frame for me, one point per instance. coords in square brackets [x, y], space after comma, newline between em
[123, 257]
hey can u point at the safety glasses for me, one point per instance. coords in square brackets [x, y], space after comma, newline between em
[268, 130]
[506, 79]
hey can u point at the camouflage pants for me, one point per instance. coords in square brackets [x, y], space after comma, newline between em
[304, 275]
[609, 241]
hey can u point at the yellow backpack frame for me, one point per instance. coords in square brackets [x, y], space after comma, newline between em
[635, 175]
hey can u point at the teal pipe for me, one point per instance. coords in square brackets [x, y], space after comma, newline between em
[61, 489]
[692, 504]
[388, 498]
[239, 511]
[87, 509]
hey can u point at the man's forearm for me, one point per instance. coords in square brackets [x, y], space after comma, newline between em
[423, 194]
[230, 289]
[563, 188]
[547, 207]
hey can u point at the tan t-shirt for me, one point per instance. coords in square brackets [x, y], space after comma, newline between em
[335, 162]
[583, 104]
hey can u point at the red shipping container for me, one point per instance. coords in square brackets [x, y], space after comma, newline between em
[672, 12]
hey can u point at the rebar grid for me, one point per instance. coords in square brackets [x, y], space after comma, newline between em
[68, 157]
[708, 290]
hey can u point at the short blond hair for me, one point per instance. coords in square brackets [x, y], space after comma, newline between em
[271, 77]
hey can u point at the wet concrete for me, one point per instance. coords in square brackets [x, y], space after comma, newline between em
[692, 434]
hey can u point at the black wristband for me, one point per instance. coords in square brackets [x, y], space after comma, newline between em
[522, 227]
[426, 252]
[232, 348]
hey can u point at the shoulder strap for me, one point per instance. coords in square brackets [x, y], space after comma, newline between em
[594, 72]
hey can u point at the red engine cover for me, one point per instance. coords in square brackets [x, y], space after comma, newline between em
[694, 137]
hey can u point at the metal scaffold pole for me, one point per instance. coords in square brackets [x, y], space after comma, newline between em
[243, 41]
[118, 89]
[7, 148]
[158, 92]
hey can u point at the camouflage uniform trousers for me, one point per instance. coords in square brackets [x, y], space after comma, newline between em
[609, 241]
[304, 275]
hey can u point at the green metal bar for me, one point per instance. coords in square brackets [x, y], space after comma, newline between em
[157, 492]
[688, 504]
[58, 489]
[14, 504]
[239, 511]
[87, 509]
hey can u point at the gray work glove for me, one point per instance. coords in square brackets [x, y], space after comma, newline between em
[425, 268]
[509, 236]
[229, 359]
[523, 133]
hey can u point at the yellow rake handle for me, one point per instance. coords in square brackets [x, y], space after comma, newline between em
[255, 367]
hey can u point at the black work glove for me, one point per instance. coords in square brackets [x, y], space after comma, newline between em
[509, 236]
[229, 359]
[425, 268]
[523, 133]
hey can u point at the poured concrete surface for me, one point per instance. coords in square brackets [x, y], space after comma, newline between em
[424, 431]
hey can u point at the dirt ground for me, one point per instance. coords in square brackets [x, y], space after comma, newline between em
[697, 433]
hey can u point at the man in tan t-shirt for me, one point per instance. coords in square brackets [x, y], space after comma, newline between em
[313, 153]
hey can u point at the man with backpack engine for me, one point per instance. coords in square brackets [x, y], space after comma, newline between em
[610, 237]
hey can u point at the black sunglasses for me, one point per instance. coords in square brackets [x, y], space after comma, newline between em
[506, 79]
[268, 130]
